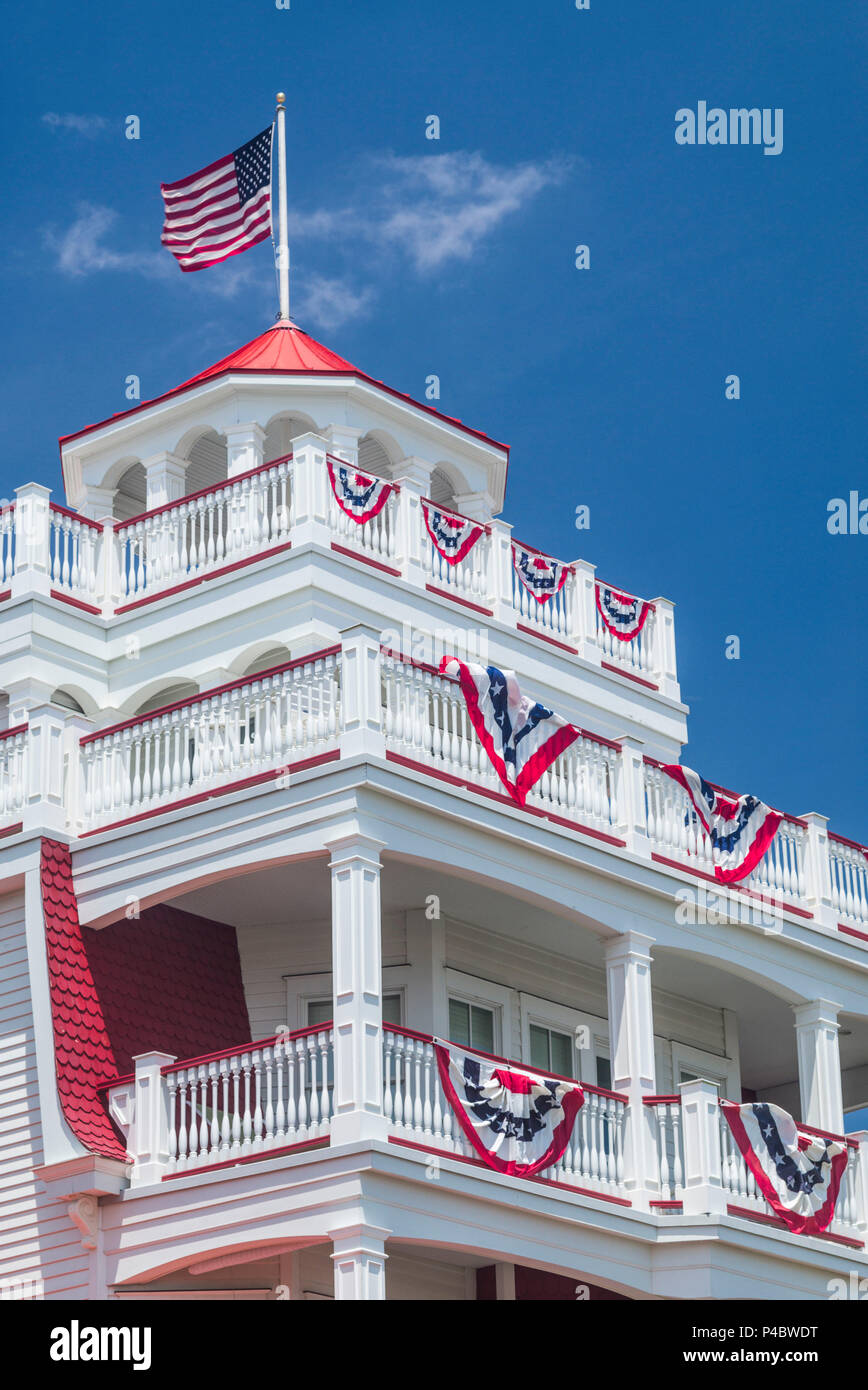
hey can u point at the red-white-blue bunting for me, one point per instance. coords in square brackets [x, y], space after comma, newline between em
[540, 575]
[740, 831]
[521, 737]
[452, 536]
[799, 1175]
[517, 1121]
[357, 494]
[622, 614]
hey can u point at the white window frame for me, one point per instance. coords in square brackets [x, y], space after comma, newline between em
[302, 990]
[563, 1019]
[486, 995]
[723, 1070]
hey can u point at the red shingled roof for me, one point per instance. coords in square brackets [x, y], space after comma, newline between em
[168, 981]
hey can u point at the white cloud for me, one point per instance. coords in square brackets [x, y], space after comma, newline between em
[330, 302]
[88, 126]
[81, 248]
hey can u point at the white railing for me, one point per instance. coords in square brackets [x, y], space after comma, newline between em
[7, 543]
[264, 1096]
[555, 617]
[269, 720]
[666, 1111]
[470, 578]
[674, 827]
[848, 872]
[74, 551]
[206, 531]
[425, 718]
[741, 1185]
[417, 1109]
[376, 538]
[638, 657]
[13, 753]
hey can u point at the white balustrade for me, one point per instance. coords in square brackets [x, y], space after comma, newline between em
[264, 721]
[670, 1144]
[376, 538]
[470, 578]
[425, 719]
[7, 543]
[265, 1096]
[206, 531]
[781, 871]
[554, 618]
[74, 547]
[848, 873]
[638, 657]
[13, 752]
[594, 1157]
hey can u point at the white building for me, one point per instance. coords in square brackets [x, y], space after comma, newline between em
[252, 859]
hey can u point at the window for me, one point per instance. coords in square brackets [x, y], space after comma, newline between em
[604, 1072]
[691, 1064]
[471, 1025]
[551, 1051]
[321, 1010]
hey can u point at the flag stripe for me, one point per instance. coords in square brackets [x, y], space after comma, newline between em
[221, 210]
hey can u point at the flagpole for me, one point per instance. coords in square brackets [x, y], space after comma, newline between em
[282, 243]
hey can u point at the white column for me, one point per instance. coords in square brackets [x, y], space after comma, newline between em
[501, 561]
[148, 1140]
[819, 1064]
[476, 505]
[357, 985]
[361, 702]
[631, 1037]
[583, 624]
[32, 555]
[631, 794]
[359, 1259]
[703, 1190]
[244, 448]
[343, 443]
[166, 477]
[99, 503]
[818, 880]
[664, 641]
[44, 806]
[858, 1165]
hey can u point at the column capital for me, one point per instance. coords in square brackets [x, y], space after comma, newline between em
[360, 630]
[629, 945]
[355, 846]
[360, 1233]
[817, 1012]
[416, 472]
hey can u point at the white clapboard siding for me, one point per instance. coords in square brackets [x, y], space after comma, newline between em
[273, 950]
[40, 1248]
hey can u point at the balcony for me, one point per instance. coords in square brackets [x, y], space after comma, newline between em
[274, 1097]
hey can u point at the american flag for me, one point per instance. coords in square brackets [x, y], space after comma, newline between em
[221, 210]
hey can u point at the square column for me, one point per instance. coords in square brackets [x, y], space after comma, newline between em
[311, 491]
[32, 540]
[357, 985]
[359, 1260]
[362, 707]
[819, 1064]
[631, 1035]
[343, 442]
[414, 477]
[703, 1190]
[244, 448]
[583, 618]
[166, 477]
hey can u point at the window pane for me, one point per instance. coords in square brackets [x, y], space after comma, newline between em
[459, 1022]
[562, 1053]
[539, 1047]
[482, 1028]
[392, 1009]
[604, 1073]
[318, 1011]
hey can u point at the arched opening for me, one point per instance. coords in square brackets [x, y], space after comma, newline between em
[208, 462]
[281, 432]
[131, 495]
[66, 700]
[167, 695]
[374, 457]
[441, 490]
[272, 656]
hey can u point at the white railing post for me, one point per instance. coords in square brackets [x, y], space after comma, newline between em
[76, 726]
[357, 985]
[500, 582]
[631, 795]
[583, 619]
[818, 881]
[703, 1192]
[148, 1138]
[44, 807]
[110, 589]
[631, 1034]
[310, 491]
[32, 540]
[858, 1162]
[665, 667]
[362, 731]
[415, 478]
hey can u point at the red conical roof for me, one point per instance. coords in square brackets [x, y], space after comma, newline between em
[283, 348]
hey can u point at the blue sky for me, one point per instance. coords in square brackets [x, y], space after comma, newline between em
[456, 257]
